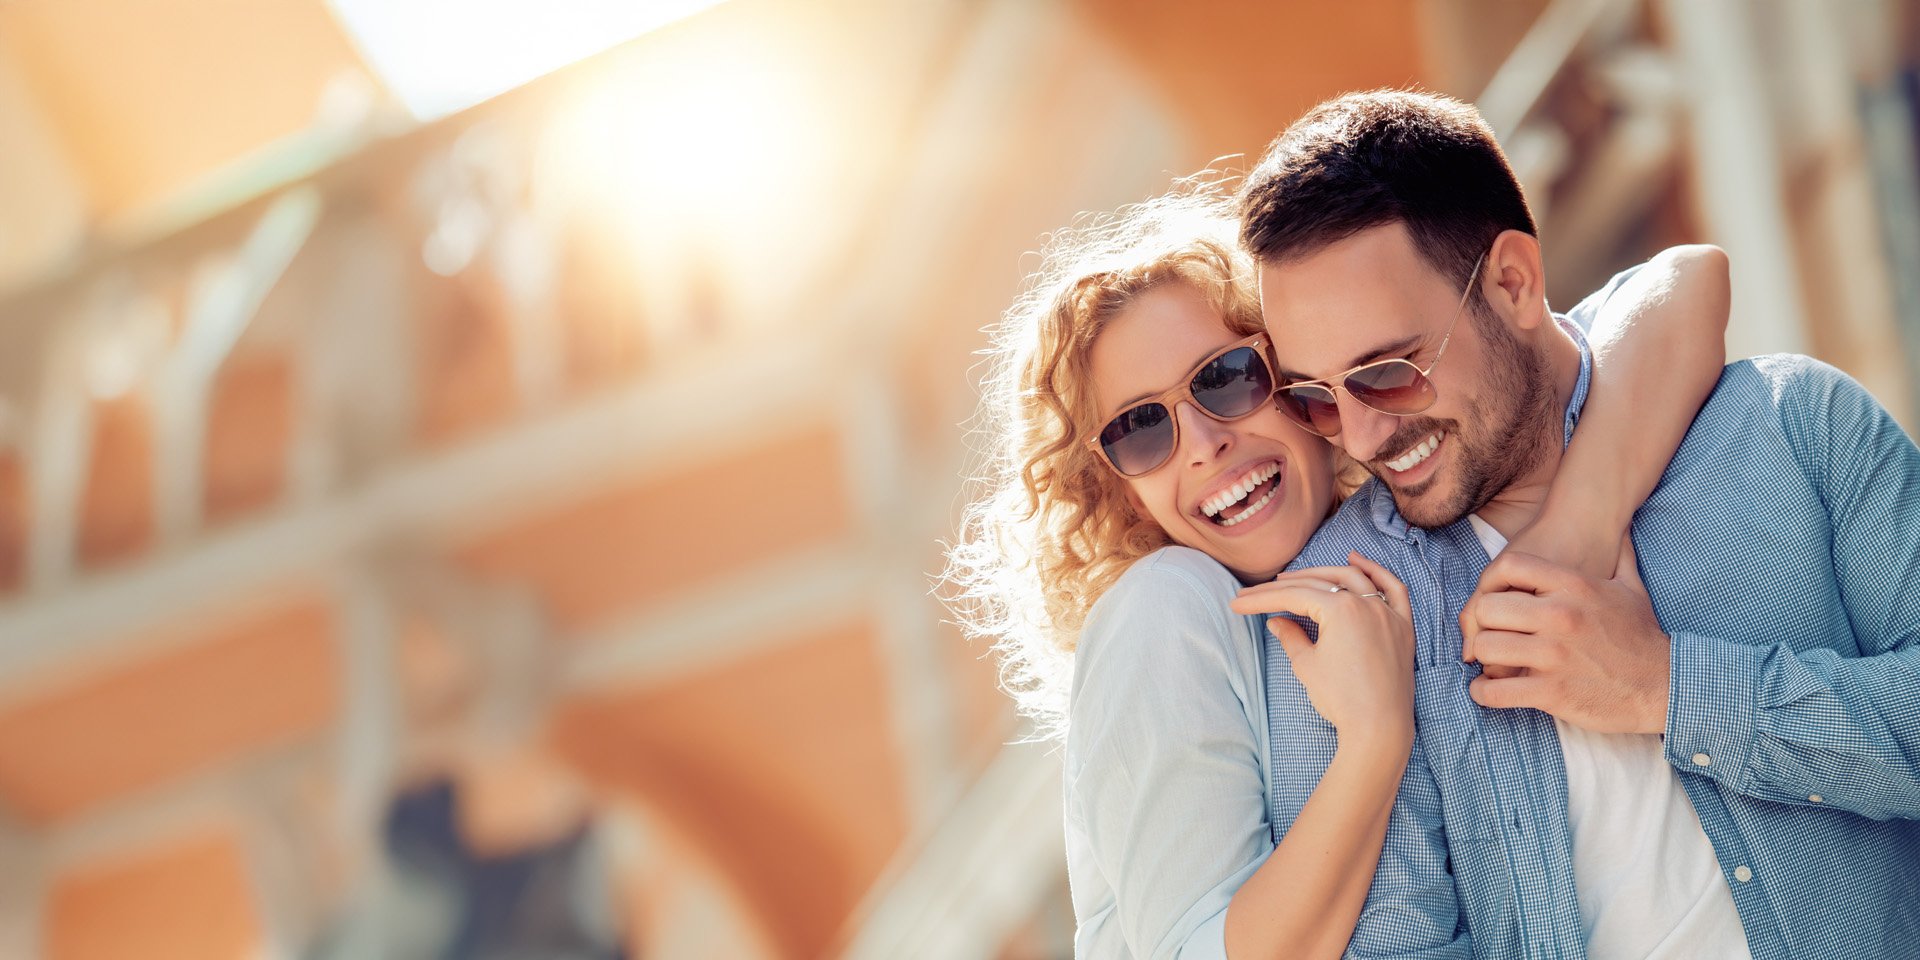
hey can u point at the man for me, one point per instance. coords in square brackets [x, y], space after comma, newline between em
[1738, 777]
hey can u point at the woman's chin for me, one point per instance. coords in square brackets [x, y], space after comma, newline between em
[1254, 560]
[1257, 570]
[1257, 555]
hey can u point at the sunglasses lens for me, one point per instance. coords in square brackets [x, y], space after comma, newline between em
[1312, 407]
[1139, 439]
[1393, 386]
[1235, 384]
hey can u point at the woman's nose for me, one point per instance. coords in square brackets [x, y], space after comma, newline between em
[1204, 438]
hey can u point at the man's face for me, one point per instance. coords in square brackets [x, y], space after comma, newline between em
[1373, 297]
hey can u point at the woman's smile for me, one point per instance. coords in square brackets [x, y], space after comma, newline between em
[1247, 494]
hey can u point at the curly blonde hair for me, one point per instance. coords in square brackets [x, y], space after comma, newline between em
[1051, 527]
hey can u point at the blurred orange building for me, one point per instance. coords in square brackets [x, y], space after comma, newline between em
[450, 504]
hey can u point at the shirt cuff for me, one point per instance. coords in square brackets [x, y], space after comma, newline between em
[1710, 706]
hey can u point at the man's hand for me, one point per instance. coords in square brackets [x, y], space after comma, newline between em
[1586, 650]
[1573, 539]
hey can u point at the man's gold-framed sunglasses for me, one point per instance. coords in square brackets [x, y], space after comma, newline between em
[1395, 387]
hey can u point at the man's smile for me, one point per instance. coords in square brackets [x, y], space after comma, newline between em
[1418, 455]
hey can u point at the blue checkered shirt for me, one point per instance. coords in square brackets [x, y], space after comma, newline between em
[1782, 551]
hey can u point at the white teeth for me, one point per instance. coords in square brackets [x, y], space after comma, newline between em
[1257, 506]
[1414, 457]
[1239, 491]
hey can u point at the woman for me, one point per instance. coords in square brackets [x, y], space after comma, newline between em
[1104, 577]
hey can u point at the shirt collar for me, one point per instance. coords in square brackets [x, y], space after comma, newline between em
[1387, 519]
[1578, 401]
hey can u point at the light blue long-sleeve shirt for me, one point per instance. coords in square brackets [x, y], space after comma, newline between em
[1166, 761]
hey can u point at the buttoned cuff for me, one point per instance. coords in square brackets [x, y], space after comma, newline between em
[1710, 706]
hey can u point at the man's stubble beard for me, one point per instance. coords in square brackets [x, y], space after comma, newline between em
[1509, 438]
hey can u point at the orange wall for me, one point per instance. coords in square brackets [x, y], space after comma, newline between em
[782, 768]
[634, 546]
[224, 692]
[189, 898]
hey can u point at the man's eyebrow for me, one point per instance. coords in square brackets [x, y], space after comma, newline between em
[1402, 345]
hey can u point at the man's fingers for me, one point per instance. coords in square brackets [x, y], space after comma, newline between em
[1469, 631]
[1517, 612]
[1509, 611]
[1514, 570]
[1501, 694]
[1509, 649]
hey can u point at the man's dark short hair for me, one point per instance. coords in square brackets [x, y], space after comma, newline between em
[1369, 159]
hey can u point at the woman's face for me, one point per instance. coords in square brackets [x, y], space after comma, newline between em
[1154, 343]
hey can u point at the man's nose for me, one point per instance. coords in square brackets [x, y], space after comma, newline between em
[1204, 438]
[1362, 428]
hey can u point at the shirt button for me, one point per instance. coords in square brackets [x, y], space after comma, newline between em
[1742, 873]
[1701, 759]
[1815, 798]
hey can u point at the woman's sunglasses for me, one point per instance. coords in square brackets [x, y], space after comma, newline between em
[1227, 386]
[1395, 387]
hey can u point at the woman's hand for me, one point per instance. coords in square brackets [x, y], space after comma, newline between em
[1359, 676]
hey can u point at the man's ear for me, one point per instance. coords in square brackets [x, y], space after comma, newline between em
[1514, 281]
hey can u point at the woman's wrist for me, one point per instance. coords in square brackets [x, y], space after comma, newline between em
[1586, 538]
[1370, 769]
[1382, 743]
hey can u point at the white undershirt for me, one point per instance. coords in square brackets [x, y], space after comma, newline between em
[1644, 872]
